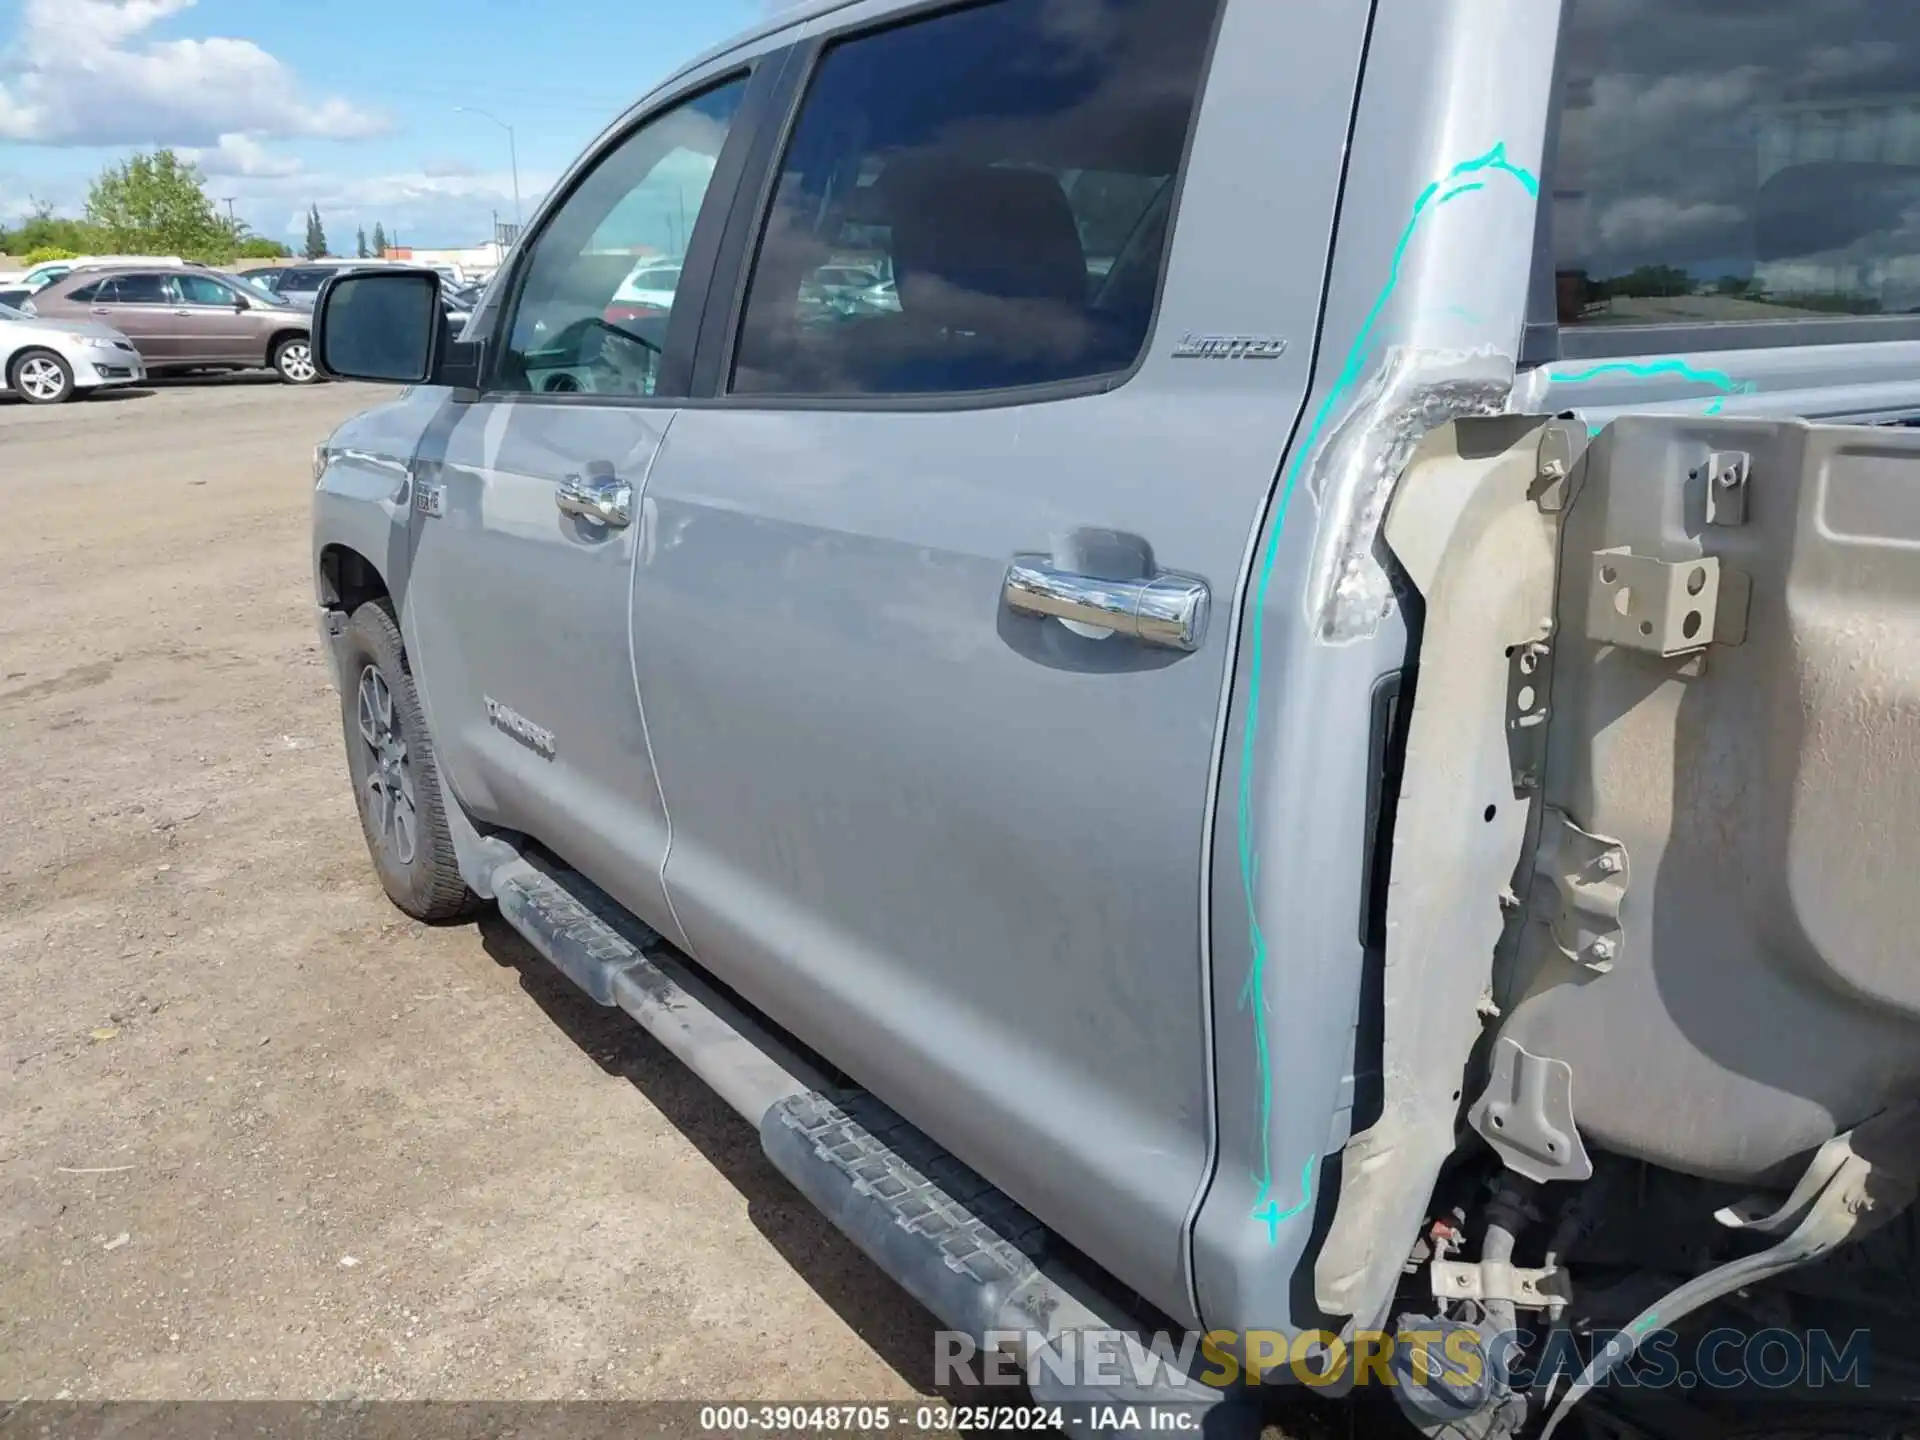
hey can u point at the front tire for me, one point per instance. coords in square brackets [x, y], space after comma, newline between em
[293, 358]
[40, 377]
[396, 784]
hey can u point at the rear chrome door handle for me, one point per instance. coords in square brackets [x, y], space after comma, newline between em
[599, 499]
[1166, 610]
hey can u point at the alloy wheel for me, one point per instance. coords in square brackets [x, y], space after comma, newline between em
[390, 795]
[296, 361]
[41, 378]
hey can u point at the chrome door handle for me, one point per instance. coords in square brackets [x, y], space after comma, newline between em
[599, 498]
[1167, 610]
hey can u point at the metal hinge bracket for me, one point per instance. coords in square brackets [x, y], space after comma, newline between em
[1665, 607]
[1526, 1115]
[1524, 1289]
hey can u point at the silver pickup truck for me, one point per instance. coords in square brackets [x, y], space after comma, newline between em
[1245, 670]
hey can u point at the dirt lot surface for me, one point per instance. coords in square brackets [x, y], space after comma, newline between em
[261, 1135]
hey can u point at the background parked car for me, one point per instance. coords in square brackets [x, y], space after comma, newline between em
[46, 361]
[647, 292]
[301, 284]
[189, 319]
[38, 277]
[268, 277]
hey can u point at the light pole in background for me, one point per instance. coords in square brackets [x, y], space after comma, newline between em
[513, 155]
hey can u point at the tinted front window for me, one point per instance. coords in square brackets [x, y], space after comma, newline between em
[592, 314]
[86, 294]
[1010, 168]
[143, 290]
[305, 279]
[1733, 160]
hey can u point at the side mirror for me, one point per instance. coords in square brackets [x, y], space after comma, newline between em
[383, 325]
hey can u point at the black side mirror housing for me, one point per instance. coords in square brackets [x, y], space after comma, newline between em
[387, 325]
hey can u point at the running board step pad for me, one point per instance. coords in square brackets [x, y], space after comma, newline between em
[577, 926]
[958, 1245]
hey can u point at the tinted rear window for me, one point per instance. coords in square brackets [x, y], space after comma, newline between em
[1011, 166]
[1737, 160]
[143, 290]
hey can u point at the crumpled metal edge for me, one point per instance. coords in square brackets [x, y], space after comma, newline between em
[1352, 479]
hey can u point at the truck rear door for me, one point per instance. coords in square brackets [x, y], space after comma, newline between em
[934, 610]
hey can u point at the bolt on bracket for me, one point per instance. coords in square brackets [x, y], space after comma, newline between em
[1587, 877]
[1529, 677]
[1726, 473]
[1524, 1289]
[1561, 447]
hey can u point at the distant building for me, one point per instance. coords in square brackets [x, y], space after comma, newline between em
[486, 257]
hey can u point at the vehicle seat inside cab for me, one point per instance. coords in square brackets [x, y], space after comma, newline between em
[992, 280]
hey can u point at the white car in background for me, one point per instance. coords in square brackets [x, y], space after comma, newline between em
[47, 361]
[38, 277]
[650, 285]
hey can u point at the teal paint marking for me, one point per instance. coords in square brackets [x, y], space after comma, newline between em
[1273, 1217]
[1661, 369]
[1468, 177]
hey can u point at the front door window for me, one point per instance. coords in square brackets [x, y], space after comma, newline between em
[603, 276]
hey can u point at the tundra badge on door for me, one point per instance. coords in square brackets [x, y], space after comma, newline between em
[536, 738]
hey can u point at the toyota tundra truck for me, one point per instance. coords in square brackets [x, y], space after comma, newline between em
[1300, 717]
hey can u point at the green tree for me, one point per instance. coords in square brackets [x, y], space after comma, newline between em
[1655, 280]
[379, 238]
[40, 254]
[258, 247]
[156, 204]
[360, 243]
[42, 229]
[316, 245]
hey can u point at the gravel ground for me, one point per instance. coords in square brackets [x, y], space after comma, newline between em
[261, 1135]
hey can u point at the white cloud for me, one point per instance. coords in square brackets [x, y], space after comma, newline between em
[1656, 220]
[415, 206]
[240, 156]
[85, 72]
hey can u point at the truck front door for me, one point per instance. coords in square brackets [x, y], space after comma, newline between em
[527, 515]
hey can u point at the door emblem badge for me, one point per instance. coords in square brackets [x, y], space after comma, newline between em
[536, 738]
[1229, 347]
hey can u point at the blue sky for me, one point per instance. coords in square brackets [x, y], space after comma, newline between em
[347, 105]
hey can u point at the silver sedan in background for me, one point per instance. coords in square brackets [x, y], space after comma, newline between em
[45, 362]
